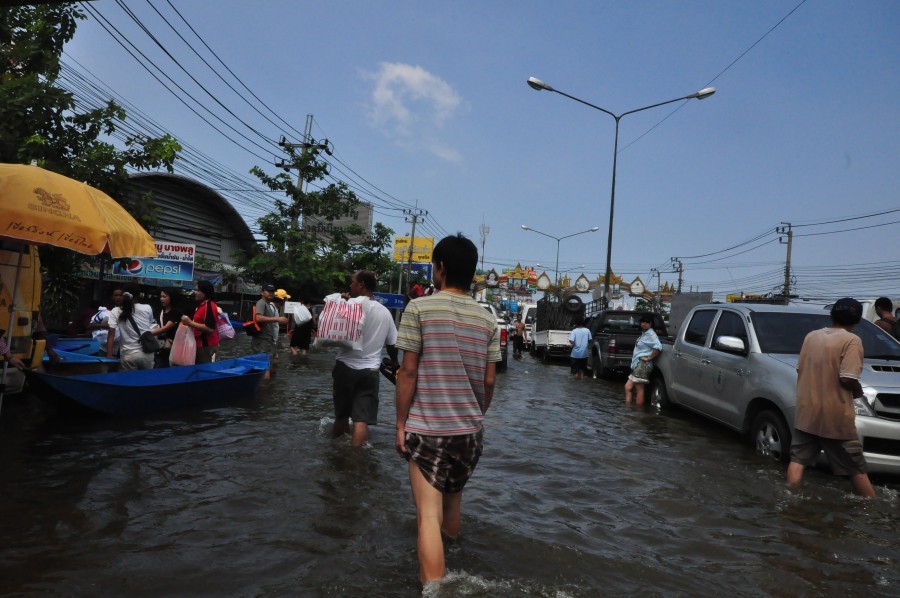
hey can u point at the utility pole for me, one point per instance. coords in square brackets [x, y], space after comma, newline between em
[413, 216]
[786, 230]
[485, 230]
[657, 304]
[679, 268]
[307, 145]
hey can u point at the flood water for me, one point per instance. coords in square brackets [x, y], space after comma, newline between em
[576, 495]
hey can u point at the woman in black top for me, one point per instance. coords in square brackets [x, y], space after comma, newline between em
[168, 320]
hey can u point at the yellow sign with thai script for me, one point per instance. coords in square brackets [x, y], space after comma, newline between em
[421, 251]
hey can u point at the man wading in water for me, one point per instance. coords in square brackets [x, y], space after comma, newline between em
[444, 387]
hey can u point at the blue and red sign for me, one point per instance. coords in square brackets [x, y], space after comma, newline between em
[174, 261]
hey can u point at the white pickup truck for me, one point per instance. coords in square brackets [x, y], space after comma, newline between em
[736, 364]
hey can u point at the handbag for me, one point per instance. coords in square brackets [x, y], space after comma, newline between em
[223, 326]
[250, 326]
[184, 347]
[341, 323]
[149, 343]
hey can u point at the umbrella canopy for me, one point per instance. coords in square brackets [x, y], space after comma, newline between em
[42, 207]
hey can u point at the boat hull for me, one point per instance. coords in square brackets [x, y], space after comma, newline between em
[141, 392]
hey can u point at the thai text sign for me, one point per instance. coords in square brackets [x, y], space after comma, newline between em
[421, 251]
[174, 261]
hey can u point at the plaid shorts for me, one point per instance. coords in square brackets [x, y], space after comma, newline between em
[447, 462]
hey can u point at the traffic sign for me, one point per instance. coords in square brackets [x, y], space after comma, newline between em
[390, 300]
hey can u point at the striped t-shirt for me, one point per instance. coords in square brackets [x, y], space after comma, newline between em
[455, 339]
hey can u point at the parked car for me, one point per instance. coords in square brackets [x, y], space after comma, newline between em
[736, 364]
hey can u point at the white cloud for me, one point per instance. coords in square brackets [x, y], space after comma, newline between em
[410, 103]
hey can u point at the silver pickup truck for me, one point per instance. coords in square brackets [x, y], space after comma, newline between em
[736, 364]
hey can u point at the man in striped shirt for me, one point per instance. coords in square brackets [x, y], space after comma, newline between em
[444, 387]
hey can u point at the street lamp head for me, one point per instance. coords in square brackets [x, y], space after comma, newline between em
[525, 227]
[595, 229]
[703, 93]
[535, 83]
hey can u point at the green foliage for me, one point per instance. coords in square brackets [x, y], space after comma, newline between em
[61, 291]
[41, 121]
[307, 263]
[642, 304]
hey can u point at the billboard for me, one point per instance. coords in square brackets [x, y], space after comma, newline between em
[360, 215]
[421, 251]
[174, 261]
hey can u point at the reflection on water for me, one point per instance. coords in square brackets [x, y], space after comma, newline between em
[576, 495]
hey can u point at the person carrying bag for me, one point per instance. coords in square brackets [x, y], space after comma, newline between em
[137, 343]
[204, 323]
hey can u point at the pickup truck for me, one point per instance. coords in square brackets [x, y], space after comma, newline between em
[503, 330]
[736, 364]
[554, 321]
[614, 335]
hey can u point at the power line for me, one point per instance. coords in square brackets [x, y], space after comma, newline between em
[118, 37]
[722, 72]
[216, 72]
[153, 38]
[238, 79]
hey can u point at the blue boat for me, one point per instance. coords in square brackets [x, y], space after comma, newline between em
[71, 364]
[70, 357]
[141, 392]
[85, 346]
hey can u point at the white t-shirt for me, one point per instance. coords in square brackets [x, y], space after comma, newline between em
[129, 338]
[101, 334]
[378, 331]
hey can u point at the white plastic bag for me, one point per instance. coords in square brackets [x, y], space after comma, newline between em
[184, 347]
[341, 322]
[301, 315]
[223, 326]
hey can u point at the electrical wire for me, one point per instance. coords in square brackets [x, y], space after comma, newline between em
[722, 72]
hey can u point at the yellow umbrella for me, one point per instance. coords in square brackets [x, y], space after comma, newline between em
[46, 208]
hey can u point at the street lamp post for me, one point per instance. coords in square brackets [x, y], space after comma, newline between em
[539, 85]
[558, 239]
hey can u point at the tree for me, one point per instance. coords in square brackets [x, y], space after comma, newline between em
[41, 121]
[642, 304]
[306, 261]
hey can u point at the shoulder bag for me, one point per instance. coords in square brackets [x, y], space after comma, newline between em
[149, 343]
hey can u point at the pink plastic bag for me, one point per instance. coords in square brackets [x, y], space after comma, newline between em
[184, 347]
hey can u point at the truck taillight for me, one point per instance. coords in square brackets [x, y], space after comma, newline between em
[612, 345]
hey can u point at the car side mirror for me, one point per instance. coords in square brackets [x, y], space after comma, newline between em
[730, 344]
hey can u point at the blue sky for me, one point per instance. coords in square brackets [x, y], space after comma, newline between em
[428, 103]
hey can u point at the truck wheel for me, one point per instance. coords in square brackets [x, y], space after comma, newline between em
[602, 371]
[770, 435]
[659, 396]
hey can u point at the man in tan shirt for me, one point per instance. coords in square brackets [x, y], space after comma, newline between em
[828, 372]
